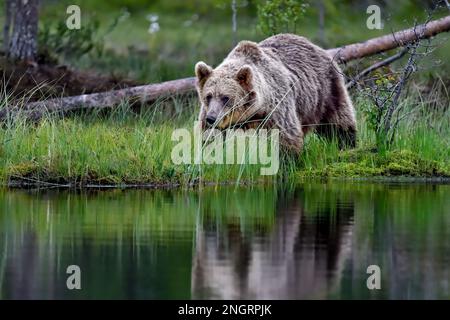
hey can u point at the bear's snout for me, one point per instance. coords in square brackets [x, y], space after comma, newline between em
[210, 120]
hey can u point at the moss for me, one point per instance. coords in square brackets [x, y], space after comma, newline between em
[360, 163]
[22, 169]
[406, 162]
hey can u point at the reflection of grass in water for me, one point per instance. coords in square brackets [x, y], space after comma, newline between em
[172, 214]
[403, 228]
[156, 228]
[125, 232]
[142, 214]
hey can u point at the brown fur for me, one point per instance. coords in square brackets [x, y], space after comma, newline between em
[283, 82]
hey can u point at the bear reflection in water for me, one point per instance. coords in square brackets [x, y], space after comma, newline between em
[301, 255]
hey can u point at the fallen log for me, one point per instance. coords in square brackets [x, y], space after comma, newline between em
[390, 41]
[151, 92]
[144, 93]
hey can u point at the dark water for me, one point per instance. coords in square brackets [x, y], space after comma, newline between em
[313, 242]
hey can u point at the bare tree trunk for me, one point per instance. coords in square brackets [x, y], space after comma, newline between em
[23, 43]
[9, 4]
[321, 8]
[234, 21]
[154, 91]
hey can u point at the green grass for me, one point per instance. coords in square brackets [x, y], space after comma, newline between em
[121, 147]
[126, 147]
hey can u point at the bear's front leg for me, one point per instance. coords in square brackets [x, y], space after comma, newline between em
[291, 142]
[291, 137]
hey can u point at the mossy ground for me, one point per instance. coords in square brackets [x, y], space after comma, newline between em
[363, 163]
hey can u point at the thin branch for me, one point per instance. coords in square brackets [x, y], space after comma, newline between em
[447, 4]
[377, 65]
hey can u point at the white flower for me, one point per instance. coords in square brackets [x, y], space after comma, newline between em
[152, 17]
[154, 27]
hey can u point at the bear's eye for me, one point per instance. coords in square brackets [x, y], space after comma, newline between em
[225, 100]
[208, 98]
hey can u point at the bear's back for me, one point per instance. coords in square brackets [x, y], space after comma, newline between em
[298, 53]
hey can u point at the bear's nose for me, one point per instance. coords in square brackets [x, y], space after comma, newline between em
[210, 120]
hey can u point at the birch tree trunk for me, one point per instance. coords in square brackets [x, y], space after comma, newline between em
[21, 28]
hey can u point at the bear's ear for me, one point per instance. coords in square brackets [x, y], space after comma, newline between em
[202, 72]
[245, 77]
[249, 49]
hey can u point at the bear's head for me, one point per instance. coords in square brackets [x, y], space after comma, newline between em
[227, 94]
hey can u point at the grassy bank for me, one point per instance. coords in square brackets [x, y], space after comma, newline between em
[125, 147]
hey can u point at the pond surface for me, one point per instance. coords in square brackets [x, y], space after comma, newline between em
[312, 242]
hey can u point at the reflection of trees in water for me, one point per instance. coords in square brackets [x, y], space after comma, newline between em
[301, 256]
[24, 264]
[405, 229]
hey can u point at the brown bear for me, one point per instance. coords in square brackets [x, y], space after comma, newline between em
[284, 82]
